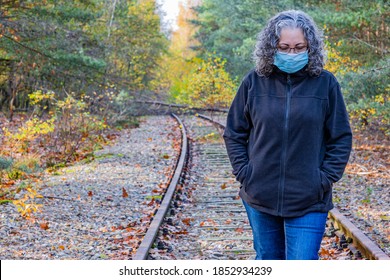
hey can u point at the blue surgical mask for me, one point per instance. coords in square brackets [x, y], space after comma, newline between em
[291, 63]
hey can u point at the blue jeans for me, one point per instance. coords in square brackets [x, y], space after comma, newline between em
[277, 238]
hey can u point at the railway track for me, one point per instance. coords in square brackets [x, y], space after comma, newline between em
[206, 219]
[202, 217]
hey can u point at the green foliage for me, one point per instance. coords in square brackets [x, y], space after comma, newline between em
[47, 48]
[374, 111]
[368, 82]
[362, 26]
[77, 46]
[229, 29]
[28, 165]
[356, 34]
[367, 95]
[5, 163]
[15, 174]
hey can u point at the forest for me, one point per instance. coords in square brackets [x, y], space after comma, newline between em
[73, 73]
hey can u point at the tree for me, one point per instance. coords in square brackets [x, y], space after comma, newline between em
[210, 86]
[136, 43]
[359, 28]
[229, 29]
[77, 46]
[47, 48]
[179, 61]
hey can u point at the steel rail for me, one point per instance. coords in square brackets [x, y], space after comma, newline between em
[366, 247]
[148, 240]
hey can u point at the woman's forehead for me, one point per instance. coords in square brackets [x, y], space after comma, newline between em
[292, 36]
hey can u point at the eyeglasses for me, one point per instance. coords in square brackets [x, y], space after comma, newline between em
[287, 49]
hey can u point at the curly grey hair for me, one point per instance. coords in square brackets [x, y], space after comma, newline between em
[268, 39]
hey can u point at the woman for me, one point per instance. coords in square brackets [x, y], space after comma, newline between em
[288, 139]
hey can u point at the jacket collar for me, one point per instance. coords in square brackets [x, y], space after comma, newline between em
[295, 77]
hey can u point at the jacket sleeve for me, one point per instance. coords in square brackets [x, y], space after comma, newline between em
[338, 139]
[236, 134]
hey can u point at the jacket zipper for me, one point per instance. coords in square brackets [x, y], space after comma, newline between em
[284, 148]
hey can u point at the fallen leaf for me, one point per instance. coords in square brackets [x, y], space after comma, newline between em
[90, 193]
[151, 202]
[187, 221]
[385, 217]
[240, 230]
[124, 193]
[181, 232]
[44, 225]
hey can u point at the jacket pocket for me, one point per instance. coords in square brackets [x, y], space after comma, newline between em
[325, 182]
[247, 175]
[319, 186]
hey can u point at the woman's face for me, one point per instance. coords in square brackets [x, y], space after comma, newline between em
[292, 40]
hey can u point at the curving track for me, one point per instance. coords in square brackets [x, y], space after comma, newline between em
[201, 216]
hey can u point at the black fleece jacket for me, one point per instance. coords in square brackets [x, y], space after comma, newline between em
[288, 139]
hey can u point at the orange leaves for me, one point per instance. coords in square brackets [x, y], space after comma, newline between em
[59, 247]
[187, 221]
[44, 225]
[180, 232]
[327, 254]
[7, 183]
[239, 230]
[165, 156]
[111, 136]
[208, 222]
[124, 193]
[370, 156]
[26, 205]
[151, 202]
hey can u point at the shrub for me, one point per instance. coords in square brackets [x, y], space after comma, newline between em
[5, 163]
[366, 94]
[208, 86]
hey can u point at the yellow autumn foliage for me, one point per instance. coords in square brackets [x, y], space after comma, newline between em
[339, 64]
[210, 86]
